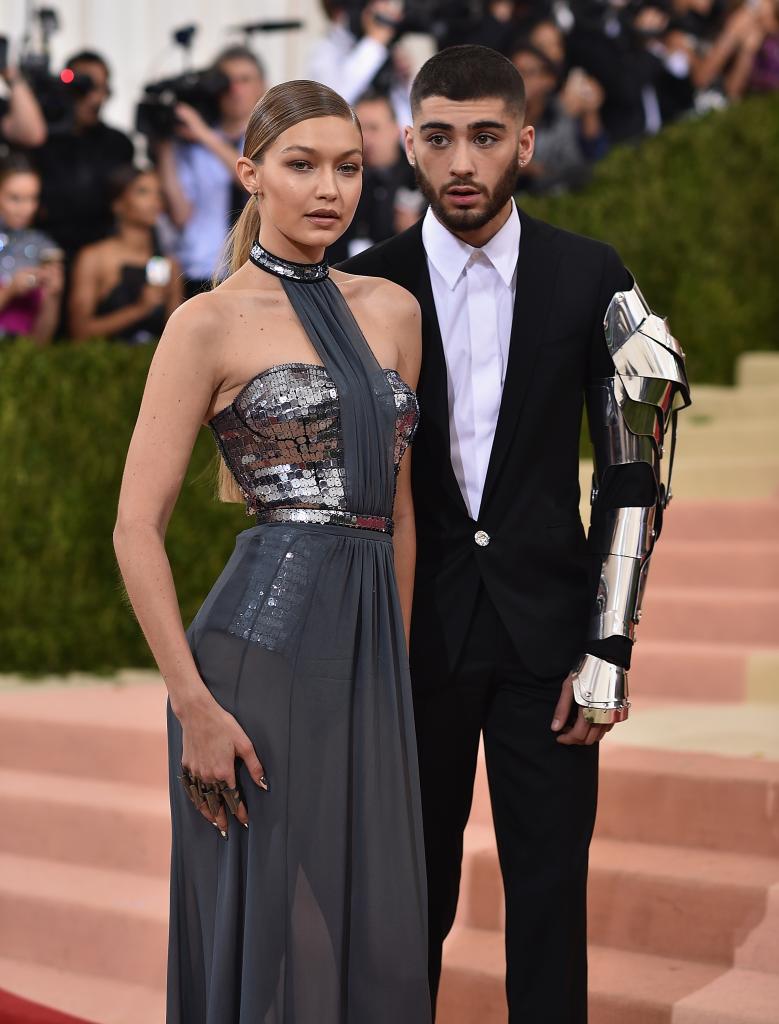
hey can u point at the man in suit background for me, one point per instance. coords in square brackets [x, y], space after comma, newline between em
[513, 336]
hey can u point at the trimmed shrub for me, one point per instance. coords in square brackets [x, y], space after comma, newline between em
[66, 416]
[694, 213]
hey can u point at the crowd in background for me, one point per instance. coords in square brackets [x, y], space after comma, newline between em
[92, 244]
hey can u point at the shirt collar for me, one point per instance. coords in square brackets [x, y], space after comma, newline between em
[450, 254]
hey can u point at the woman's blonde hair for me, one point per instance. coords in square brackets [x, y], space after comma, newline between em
[280, 108]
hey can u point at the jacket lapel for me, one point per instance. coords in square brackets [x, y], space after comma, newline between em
[412, 273]
[536, 273]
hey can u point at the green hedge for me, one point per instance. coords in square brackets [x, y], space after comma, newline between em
[693, 213]
[66, 416]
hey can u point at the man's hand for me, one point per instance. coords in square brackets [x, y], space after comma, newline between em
[581, 733]
[191, 127]
[383, 27]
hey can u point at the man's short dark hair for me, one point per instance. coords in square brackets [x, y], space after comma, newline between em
[88, 57]
[377, 96]
[469, 72]
[238, 52]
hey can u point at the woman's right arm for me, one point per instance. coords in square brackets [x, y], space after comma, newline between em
[183, 377]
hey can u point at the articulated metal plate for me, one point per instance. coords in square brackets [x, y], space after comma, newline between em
[601, 689]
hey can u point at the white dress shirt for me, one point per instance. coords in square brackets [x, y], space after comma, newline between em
[474, 291]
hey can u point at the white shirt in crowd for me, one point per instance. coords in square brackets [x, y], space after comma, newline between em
[349, 65]
[474, 291]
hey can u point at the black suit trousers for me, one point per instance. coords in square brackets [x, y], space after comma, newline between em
[543, 797]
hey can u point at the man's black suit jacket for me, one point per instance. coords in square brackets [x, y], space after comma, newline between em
[537, 568]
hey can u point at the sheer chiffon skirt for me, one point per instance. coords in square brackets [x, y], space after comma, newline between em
[317, 913]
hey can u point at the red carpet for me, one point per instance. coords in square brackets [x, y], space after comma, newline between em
[14, 1010]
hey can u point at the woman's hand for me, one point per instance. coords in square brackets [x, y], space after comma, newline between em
[23, 281]
[152, 296]
[212, 740]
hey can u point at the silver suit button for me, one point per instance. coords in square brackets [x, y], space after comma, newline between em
[482, 538]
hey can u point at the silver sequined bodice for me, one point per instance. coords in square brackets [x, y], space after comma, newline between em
[281, 437]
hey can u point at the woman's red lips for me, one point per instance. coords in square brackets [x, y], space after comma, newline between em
[333, 214]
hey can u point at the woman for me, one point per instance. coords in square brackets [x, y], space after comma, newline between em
[31, 278]
[123, 288]
[290, 709]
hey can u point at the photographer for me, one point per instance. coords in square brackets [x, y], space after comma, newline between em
[389, 202]
[123, 288]
[75, 163]
[356, 49]
[197, 169]
[21, 119]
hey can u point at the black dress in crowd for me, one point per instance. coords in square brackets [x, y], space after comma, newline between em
[317, 913]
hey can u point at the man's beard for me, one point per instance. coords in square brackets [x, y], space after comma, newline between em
[470, 220]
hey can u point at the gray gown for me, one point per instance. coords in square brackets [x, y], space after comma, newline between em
[317, 913]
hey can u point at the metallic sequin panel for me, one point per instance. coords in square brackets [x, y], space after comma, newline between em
[273, 604]
[281, 437]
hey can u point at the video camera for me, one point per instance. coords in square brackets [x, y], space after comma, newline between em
[55, 94]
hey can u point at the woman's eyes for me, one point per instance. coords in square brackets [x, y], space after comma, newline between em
[304, 165]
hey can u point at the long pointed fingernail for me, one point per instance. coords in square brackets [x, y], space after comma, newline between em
[264, 784]
[245, 824]
[214, 824]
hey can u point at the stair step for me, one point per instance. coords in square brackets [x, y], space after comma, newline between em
[690, 799]
[730, 436]
[727, 564]
[624, 987]
[678, 798]
[101, 731]
[709, 476]
[92, 921]
[116, 825]
[683, 670]
[756, 370]
[743, 616]
[84, 996]
[742, 402]
[666, 900]
[721, 520]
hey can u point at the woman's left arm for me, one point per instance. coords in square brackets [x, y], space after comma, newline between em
[409, 333]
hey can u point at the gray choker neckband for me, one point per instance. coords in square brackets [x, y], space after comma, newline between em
[306, 272]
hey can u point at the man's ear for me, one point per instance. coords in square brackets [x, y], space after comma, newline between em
[408, 144]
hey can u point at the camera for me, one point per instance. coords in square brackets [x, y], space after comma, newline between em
[156, 113]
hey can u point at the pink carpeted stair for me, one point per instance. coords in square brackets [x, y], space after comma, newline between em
[684, 894]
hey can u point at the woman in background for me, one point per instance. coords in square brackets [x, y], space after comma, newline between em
[31, 277]
[123, 288]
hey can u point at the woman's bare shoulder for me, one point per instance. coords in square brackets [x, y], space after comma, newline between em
[382, 295]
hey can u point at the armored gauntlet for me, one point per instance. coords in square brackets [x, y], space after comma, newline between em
[632, 418]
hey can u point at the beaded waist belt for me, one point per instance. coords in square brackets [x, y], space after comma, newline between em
[329, 516]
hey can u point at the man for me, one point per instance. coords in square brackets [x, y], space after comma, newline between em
[389, 201]
[76, 163]
[197, 169]
[21, 119]
[514, 615]
[358, 52]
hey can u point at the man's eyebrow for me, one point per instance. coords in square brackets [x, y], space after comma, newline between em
[442, 126]
[310, 149]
